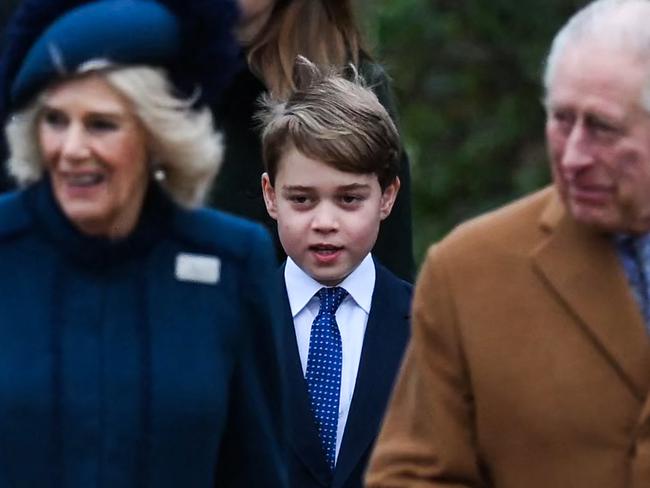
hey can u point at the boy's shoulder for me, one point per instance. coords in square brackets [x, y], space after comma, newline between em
[387, 280]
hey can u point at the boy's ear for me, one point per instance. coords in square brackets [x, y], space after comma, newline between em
[388, 198]
[269, 196]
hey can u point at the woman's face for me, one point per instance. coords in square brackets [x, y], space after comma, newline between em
[254, 8]
[254, 15]
[95, 150]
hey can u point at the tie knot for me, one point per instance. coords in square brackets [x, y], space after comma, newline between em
[330, 299]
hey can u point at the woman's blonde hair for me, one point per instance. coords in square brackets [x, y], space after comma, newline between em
[323, 31]
[184, 144]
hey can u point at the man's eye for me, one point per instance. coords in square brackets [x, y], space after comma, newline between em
[562, 117]
[603, 126]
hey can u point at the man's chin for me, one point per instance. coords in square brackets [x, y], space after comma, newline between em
[596, 218]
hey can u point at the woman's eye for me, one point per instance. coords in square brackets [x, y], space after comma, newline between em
[101, 125]
[54, 118]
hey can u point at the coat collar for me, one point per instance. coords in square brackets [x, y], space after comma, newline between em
[580, 265]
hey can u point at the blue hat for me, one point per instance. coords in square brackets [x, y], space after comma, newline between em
[192, 39]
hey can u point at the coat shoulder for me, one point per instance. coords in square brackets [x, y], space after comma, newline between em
[14, 218]
[400, 286]
[220, 232]
[516, 226]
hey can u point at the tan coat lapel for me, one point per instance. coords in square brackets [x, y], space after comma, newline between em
[583, 269]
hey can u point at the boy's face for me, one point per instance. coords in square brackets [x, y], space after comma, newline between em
[327, 219]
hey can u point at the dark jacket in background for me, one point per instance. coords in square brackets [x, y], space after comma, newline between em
[238, 188]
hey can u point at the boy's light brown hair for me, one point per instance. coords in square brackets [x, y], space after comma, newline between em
[330, 119]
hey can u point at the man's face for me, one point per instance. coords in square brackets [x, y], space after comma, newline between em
[327, 219]
[598, 137]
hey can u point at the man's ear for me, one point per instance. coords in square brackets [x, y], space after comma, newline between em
[269, 196]
[388, 198]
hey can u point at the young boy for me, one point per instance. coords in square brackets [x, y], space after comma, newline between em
[331, 155]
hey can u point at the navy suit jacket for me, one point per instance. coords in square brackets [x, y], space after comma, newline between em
[384, 342]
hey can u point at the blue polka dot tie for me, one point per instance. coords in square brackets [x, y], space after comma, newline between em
[324, 363]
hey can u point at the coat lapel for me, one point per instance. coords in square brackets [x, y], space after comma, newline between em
[584, 271]
[303, 434]
[383, 345]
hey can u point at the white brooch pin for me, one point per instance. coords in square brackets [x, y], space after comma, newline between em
[198, 268]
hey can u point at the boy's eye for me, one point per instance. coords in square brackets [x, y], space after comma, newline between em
[299, 199]
[351, 199]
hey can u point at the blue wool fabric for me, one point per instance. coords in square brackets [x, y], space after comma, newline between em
[115, 371]
[634, 252]
[324, 363]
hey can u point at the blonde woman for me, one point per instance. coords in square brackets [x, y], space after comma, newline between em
[137, 339]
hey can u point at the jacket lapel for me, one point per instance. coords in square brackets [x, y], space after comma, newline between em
[584, 271]
[383, 345]
[303, 435]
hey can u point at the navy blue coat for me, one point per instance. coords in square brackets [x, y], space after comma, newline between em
[387, 333]
[116, 372]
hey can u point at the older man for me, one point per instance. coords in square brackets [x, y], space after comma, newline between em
[529, 364]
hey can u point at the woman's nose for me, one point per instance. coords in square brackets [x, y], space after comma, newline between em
[74, 145]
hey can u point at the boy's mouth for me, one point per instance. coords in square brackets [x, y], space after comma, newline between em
[325, 249]
[325, 254]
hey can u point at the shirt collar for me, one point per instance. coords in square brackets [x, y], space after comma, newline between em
[301, 287]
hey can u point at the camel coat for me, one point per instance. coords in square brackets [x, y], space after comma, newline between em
[529, 362]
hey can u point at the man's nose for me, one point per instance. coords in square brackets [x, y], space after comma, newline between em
[577, 152]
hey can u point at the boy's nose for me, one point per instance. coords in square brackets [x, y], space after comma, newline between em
[325, 219]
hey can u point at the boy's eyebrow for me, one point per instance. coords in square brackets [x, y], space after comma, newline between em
[350, 187]
[354, 186]
[297, 188]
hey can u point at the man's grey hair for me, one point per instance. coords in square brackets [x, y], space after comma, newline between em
[183, 142]
[619, 24]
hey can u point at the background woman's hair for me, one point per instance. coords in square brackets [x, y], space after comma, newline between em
[323, 31]
[183, 141]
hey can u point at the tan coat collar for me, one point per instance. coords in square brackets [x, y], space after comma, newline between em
[582, 268]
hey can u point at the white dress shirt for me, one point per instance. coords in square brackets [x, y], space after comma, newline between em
[351, 317]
